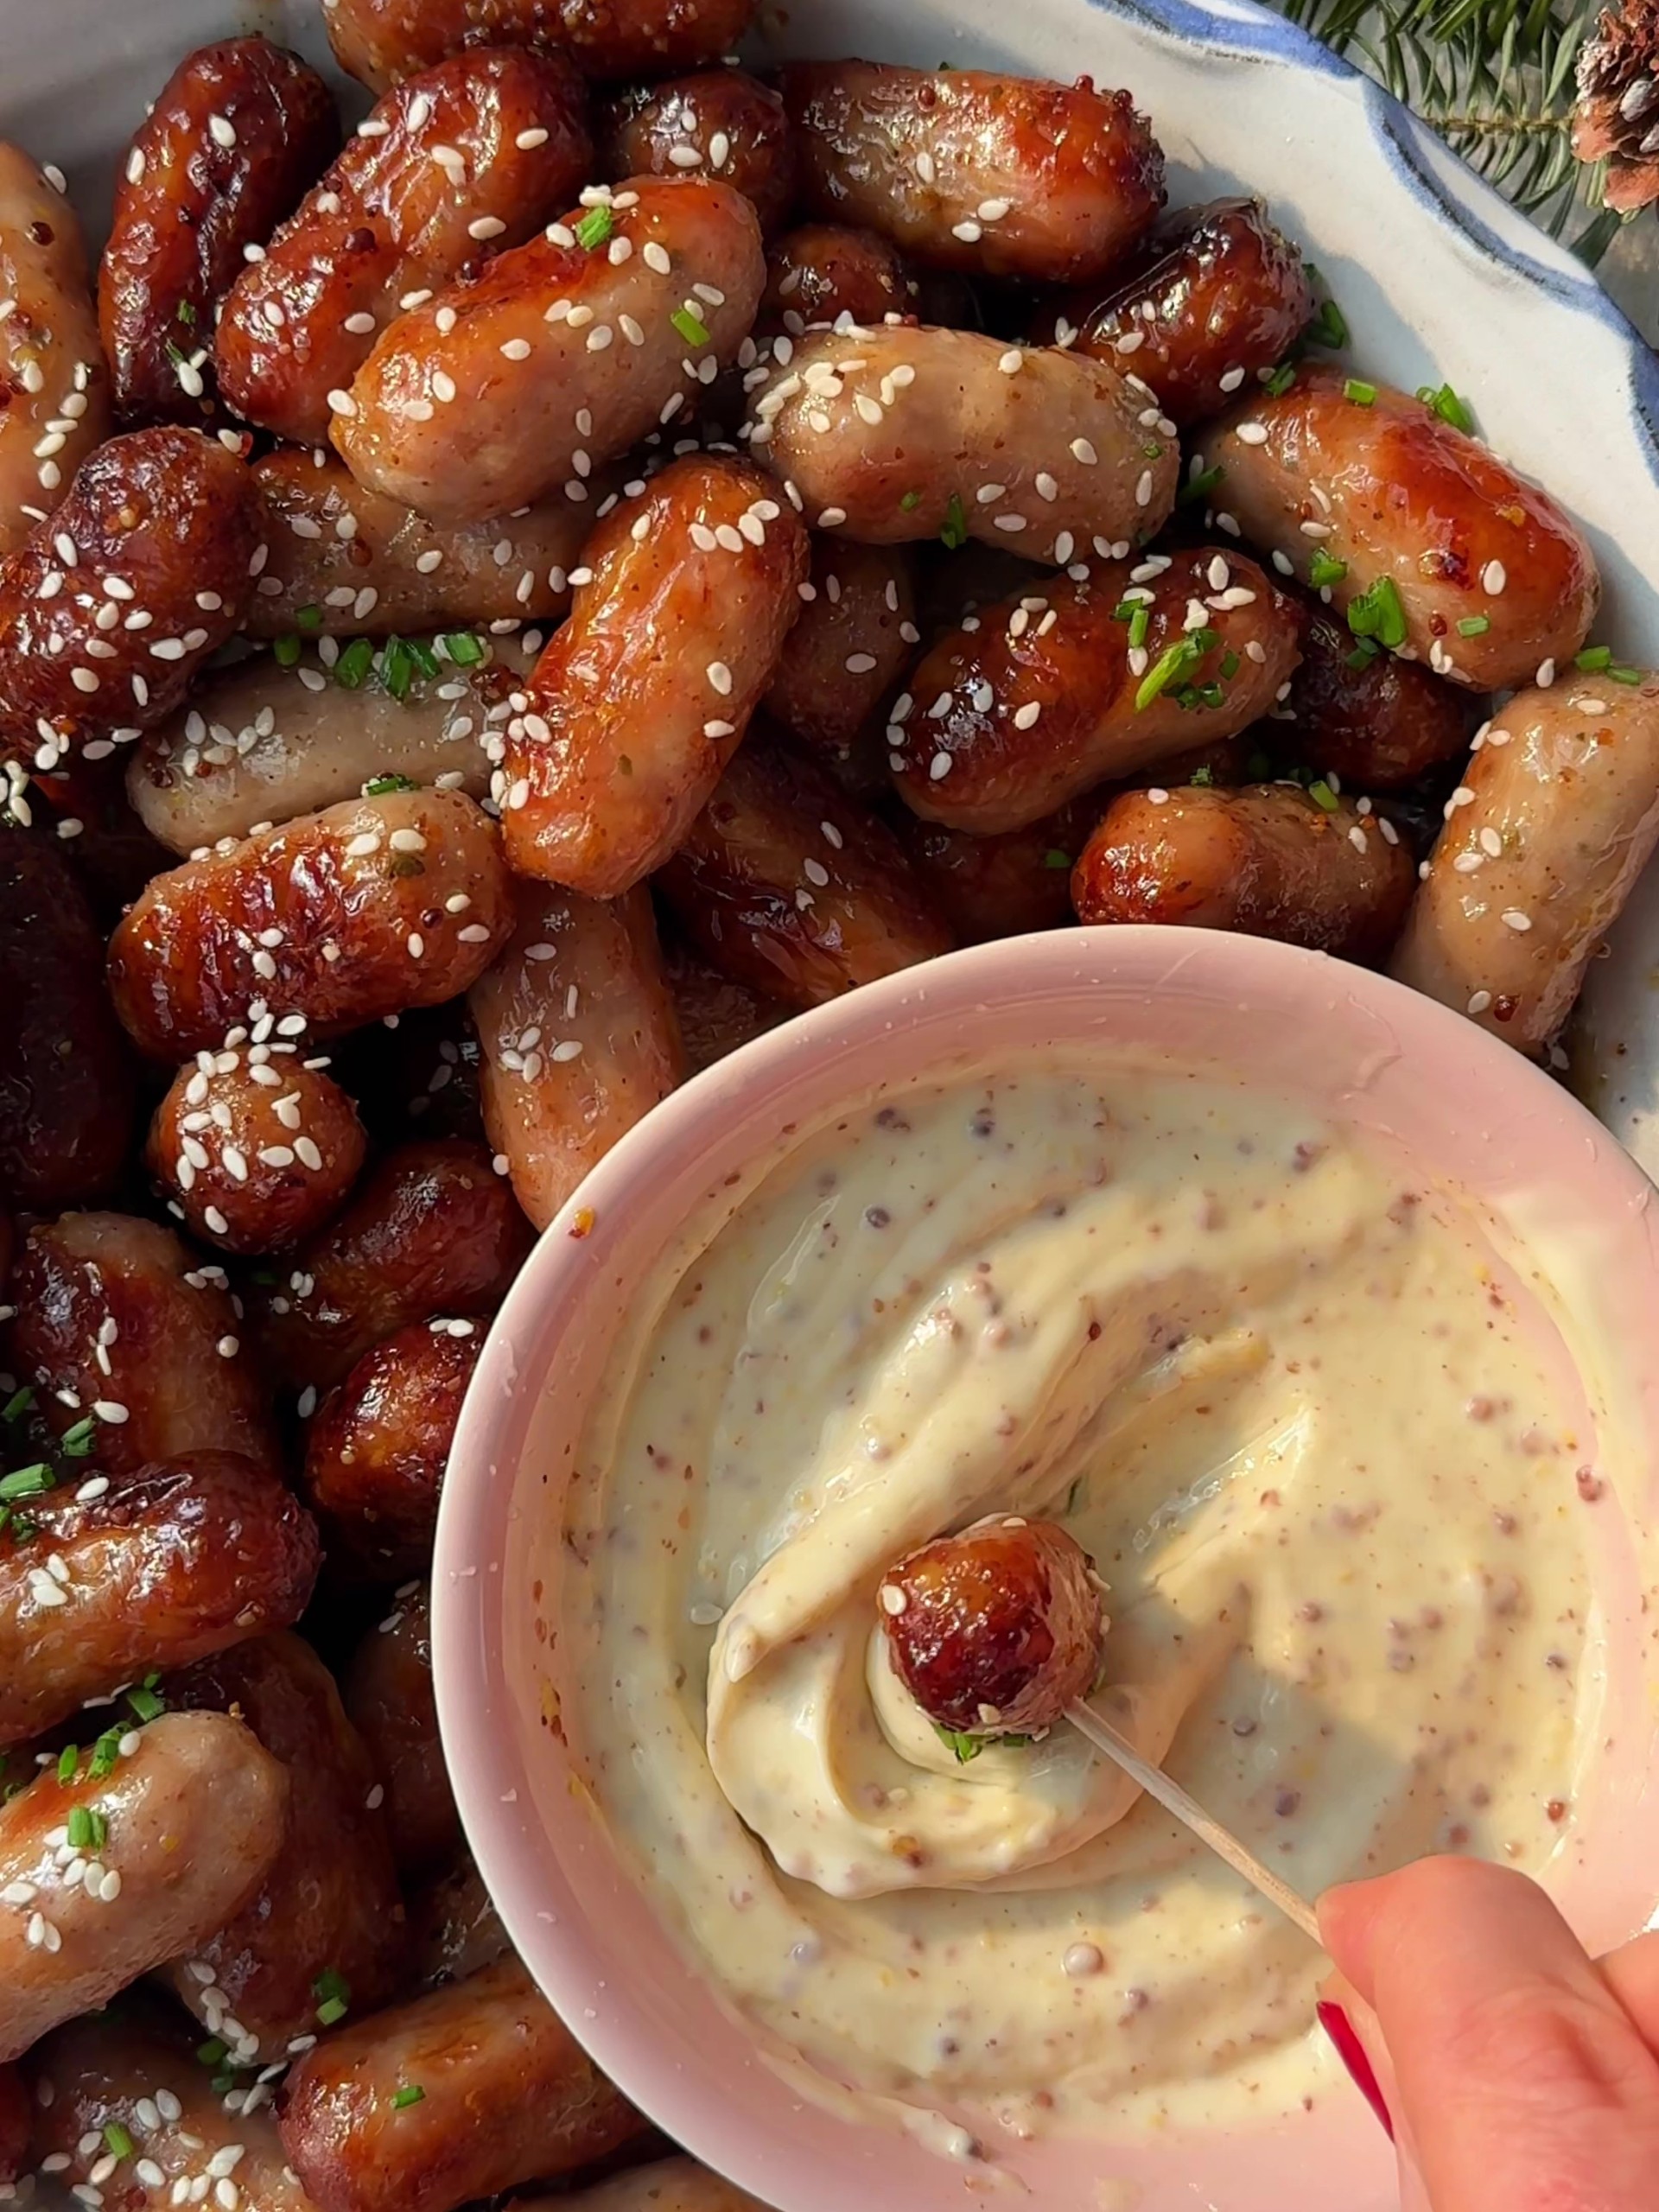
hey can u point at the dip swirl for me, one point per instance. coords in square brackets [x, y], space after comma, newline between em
[1321, 1438]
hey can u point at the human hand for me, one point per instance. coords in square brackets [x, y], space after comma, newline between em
[1516, 2071]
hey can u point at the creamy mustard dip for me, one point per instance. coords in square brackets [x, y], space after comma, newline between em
[1321, 1440]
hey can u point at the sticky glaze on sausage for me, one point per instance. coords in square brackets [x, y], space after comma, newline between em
[722, 122]
[1045, 696]
[622, 741]
[335, 920]
[1556, 817]
[1265, 860]
[855, 638]
[1399, 496]
[578, 1036]
[237, 133]
[965, 169]
[825, 271]
[388, 1690]
[381, 40]
[452, 168]
[1382, 725]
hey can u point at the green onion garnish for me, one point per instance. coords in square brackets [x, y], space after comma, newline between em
[463, 648]
[145, 1703]
[1593, 659]
[87, 1830]
[310, 618]
[1324, 569]
[1362, 394]
[1199, 487]
[379, 785]
[689, 326]
[1204, 775]
[965, 1746]
[953, 532]
[286, 653]
[27, 1482]
[117, 2140]
[1379, 614]
[1474, 626]
[18, 1402]
[1622, 675]
[1329, 326]
[1140, 623]
[1448, 406]
[1323, 796]
[1279, 382]
[334, 1994]
[1056, 859]
[1175, 661]
[106, 1751]
[397, 666]
[911, 501]
[354, 663]
[185, 312]
[1365, 650]
[596, 227]
[211, 2052]
[68, 1761]
[77, 1441]
[410, 2094]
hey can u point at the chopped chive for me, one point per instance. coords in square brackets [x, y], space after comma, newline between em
[463, 648]
[19, 1402]
[377, 787]
[595, 228]
[1324, 569]
[106, 1751]
[1623, 675]
[1176, 661]
[330, 2012]
[1199, 487]
[1362, 394]
[954, 534]
[87, 1829]
[1593, 659]
[117, 2140]
[354, 663]
[1474, 626]
[145, 1703]
[965, 1746]
[222, 2084]
[397, 666]
[211, 2052]
[1279, 382]
[68, 1761]
[1379, 614]
[185, 312]
[310, 618]
[77, 1441]
[422, 656]
[1448, 406]
[27, 1482]
[691, 327]
[1329, 328]
[1203, 776]
[1152, 450]
[1365, 650]
[1124, 611]
[911, 501]
[1228, 665]
[286, 653]
[1140, 623]
[1053, 858]
[410, 2094]
[334, 1992]
[1323, 796]
[22, 1528]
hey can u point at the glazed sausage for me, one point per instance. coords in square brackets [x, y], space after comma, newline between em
[65, 1078]
[578, 1036]
[723, 121]
[455, 1928]
[359, 565]
[380, 40]
[715, 1015]
[261, 743]
[419, 1079]
[1266, 861]
[1046, 696]
[376, 1454]
[451, 167]
[55, 387]
[847, 652]
[256, 1150]
[1401, 500]
[389, 1694]
[109, 608]
[1004, 886]
[623, 742]
[1009, 175]
[186, 1817]
[332, 921]
[1381, 726]
[1214, 295]
[944, 432]
[432, 1229]
[1556, 817]
[132, 2068]
[17, 2124]
[237, 133]
[508, 2095]
[671, 2185]
[792, 889]
[328, 1904]
[560, 357]
[825, 271]
[166, 1565]
[120, 1320]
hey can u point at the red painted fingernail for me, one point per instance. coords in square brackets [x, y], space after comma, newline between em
[1349, 2049]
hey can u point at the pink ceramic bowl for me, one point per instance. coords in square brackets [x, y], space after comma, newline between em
[1353, 1046]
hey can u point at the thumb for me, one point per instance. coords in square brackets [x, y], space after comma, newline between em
[1521, 2080]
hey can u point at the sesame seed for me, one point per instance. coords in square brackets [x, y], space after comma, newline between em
[342, 403]
[527, 140]
[599, 337]
[1515, 920]
[360, 324]
[970, 233]
[443, 386]
[516, 349]
[1012, 362]
[1143, 489]
[832, 517]
[938, 767]
[685, 157]
[486, 226]
[656, 256]
[1251, 434]
[1231, 379]
[1493, 577]
[1028, 715]
[1479, 1002]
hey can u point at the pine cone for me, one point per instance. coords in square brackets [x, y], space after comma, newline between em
[1617, 111]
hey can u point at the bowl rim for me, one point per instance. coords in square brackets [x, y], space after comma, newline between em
[800, 1064]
